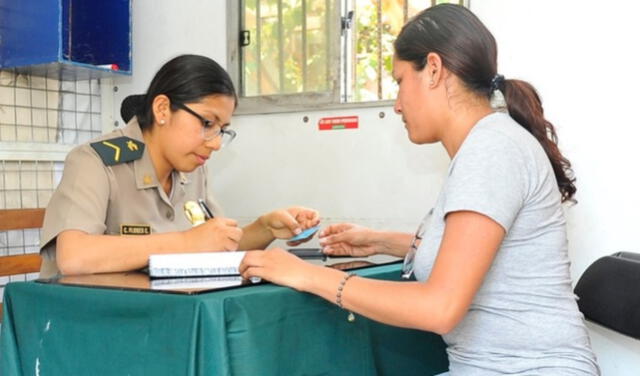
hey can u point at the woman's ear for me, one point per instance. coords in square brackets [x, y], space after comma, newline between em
[161, 107]
[434, 69]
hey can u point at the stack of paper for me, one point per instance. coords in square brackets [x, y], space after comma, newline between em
[196, 282]
[195, 264]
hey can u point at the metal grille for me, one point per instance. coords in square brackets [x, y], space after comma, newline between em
[39, 111]
[376, 24]
[46, 110]
[289, 49]
[290, 46]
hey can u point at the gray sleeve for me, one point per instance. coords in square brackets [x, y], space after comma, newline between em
[81, 199]
[489, 176]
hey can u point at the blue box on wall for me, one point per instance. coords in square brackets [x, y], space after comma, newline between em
[67, 39]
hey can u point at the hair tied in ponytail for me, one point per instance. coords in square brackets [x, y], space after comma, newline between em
[131, 106]
[496, 99]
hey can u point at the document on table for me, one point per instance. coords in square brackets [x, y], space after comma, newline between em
[196, 282]
[195, 264]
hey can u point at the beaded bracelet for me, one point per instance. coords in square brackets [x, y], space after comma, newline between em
[351, 317]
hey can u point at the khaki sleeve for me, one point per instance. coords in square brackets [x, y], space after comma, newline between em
[81, 199]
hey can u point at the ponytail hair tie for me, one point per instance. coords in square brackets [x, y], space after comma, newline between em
[496, 97]
[497, 83]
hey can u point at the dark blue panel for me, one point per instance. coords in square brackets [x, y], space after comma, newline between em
[101, 32]
[65, 30]
[29, 32]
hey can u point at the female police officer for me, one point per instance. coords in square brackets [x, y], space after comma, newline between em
[121, 197]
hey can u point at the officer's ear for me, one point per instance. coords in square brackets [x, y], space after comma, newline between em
[161, 107]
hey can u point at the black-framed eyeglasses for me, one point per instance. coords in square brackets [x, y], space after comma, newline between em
[210, 129]
[410, 257]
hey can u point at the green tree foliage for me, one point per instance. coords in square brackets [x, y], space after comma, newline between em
[289, 51]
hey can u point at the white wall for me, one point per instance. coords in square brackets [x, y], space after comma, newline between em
[372, 175]
[163, 29]
[582, 57]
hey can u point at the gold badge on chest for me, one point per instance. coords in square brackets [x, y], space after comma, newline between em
[135, 229]
[194, 213]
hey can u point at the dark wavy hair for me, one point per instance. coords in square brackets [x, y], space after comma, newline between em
[183, 79]
[468, 50]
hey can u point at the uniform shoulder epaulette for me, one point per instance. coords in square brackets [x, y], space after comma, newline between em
[118, 150]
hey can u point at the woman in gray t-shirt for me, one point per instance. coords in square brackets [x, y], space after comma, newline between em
[490, 258]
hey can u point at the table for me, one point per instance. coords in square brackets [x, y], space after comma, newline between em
[265, 329]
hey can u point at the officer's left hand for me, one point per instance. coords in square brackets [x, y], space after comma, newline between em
[286, 223]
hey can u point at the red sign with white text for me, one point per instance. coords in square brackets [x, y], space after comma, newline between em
[338, 122]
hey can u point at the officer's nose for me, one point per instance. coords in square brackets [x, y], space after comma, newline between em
[215, 143]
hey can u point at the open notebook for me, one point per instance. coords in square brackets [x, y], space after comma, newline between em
[195, 264]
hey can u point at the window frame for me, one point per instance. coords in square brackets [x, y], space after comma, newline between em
[297, 102]
[279, 103]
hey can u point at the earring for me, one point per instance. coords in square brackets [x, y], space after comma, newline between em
[162, 121]
[431, 82]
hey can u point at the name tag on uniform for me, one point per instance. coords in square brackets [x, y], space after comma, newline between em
[135, 229]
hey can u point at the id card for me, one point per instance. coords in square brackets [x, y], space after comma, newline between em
[305, 234]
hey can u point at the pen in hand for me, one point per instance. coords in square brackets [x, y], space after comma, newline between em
[207, 212]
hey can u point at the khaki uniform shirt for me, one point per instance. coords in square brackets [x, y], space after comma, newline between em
[122, 199]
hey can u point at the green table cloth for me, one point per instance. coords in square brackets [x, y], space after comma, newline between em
[265, 329]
